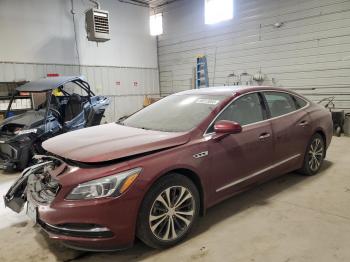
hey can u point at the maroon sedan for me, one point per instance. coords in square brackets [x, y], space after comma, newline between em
[151, 175]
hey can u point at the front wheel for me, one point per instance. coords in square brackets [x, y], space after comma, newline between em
[314, 155]
[168, 212]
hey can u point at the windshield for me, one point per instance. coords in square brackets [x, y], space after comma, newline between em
[28, 100]
[175, 113]
[39, 100]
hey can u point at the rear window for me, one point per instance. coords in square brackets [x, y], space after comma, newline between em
[279, 103]
[300, 102]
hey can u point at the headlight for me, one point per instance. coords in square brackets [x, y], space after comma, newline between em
[27, 131]
[104, 187]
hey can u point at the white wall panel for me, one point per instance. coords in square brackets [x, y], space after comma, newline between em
[38, 38]
[42, 31]
[310, 51]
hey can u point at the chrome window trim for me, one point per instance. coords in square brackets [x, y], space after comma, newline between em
[257, 173]
[265, 120]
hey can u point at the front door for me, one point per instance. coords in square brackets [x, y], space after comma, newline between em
[238, 159]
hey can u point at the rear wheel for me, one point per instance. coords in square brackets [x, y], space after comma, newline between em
[338, 131]
[168, 212]
[314, 155]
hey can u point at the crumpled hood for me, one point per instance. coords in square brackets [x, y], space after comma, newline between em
[111, 141]
[28, 119]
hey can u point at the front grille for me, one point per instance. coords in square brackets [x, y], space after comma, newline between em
[42, 187]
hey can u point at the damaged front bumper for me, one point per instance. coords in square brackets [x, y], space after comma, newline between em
[104, 224]
[16, 196]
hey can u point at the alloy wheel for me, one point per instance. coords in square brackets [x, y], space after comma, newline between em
[172, 213]
[316, 154]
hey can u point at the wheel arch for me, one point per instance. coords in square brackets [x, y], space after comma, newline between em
[322, 133]
[196, 181]
[193, 176]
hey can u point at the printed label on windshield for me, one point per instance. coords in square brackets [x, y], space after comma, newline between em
[207, 101]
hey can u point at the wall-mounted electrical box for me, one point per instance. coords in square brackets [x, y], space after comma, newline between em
[97, 25]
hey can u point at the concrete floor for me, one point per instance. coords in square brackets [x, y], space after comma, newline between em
[292, 218]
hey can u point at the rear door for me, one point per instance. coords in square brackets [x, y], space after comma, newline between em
[238, 159]
[290, 124]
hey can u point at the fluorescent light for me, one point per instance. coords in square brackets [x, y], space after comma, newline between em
[156, 24]
[218, 10]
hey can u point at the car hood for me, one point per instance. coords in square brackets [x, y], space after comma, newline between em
[111, 142]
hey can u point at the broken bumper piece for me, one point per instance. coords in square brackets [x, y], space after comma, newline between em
[16, 196]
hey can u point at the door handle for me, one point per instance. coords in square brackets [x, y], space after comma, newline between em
[303, 123]
[264, 136]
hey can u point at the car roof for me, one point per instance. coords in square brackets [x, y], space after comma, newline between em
[48, 83]
[230, 90]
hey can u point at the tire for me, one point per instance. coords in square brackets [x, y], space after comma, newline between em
[159, 224]
[25, 161]
[314, 155]
[338, 131]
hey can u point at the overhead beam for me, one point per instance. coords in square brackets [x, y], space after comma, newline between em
[148, 3]
[135, 2]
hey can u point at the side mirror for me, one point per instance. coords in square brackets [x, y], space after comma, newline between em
[225, 127]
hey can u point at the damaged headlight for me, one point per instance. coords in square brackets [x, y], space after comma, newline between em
[104, 187]
[26, 131]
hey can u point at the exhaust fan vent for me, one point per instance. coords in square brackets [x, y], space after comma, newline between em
[97, 25]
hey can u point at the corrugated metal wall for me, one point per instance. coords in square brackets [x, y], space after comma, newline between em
[310, 52]
[126, 86]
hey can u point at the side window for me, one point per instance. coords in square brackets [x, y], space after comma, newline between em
[245, 110]
[279, 103]
[300, 102]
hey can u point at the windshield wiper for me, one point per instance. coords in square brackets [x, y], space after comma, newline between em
[140, 127]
